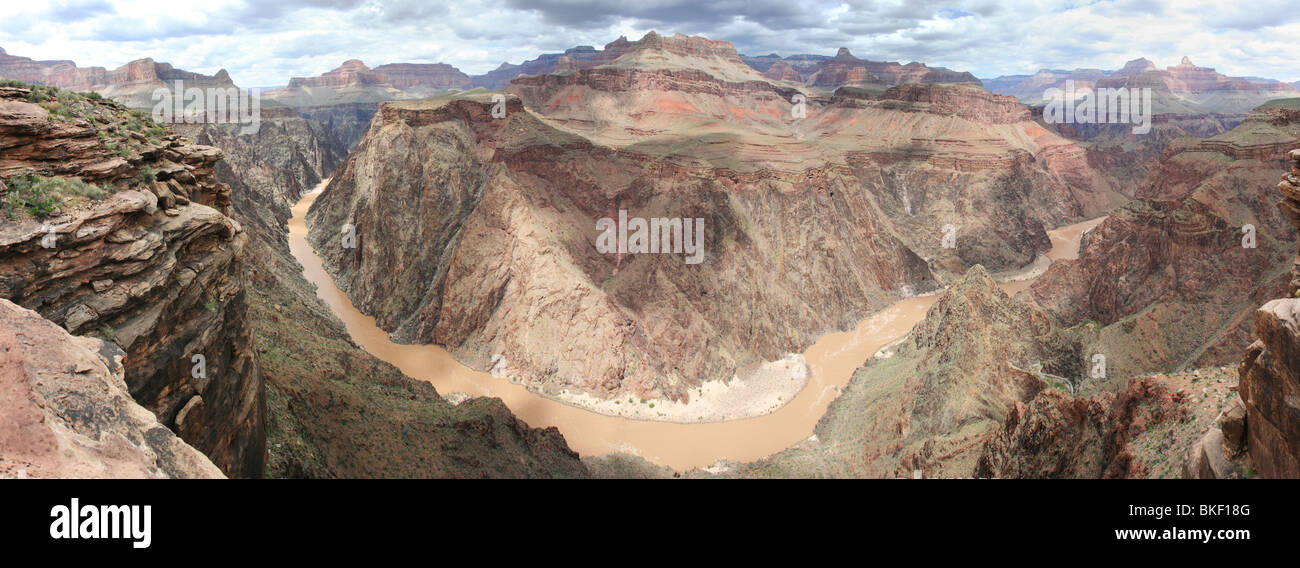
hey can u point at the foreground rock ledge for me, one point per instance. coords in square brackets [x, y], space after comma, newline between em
[65, 410]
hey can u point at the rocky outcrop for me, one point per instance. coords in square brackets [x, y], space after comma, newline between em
[349, 83]
[1290, 207]
[1060, 435]
[782, 71]
[970, 323]
[155, 267]
[67, 411]
[843, 69]
[351, 72]
[1270, 391]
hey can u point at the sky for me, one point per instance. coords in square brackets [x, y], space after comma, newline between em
[264, 43]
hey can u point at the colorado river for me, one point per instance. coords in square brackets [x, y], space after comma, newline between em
[831, 362]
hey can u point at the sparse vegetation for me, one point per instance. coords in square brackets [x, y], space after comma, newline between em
[40, 196]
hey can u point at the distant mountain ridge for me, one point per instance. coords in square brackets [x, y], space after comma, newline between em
[131, 84]
[845, 69]
[1180, 89]
[353, 82]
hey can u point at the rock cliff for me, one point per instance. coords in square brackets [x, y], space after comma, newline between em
[1263, 434]
[1060, 435]
[118, 230]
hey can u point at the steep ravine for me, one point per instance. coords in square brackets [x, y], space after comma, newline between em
[334, 410]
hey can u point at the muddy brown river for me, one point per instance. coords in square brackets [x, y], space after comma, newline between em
[831, 362]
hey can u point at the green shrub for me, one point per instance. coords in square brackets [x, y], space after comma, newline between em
[38, 95]
[41, 196]
[147, 175]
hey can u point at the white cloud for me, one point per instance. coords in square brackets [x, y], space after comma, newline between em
[264, 43]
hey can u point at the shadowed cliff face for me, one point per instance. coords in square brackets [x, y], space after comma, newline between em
[152, 263]
[479, 233]
[334, 410]
[1167, 278]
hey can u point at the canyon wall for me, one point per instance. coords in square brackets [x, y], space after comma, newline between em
[155, 265]
[1263, 431]
[1169, 280]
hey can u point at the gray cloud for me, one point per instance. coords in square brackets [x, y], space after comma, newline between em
[261, 43]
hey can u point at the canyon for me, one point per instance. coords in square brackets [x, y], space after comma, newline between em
[769, 186]
[161, 264]
[400, 273]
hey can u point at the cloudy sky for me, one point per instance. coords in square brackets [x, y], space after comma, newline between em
[263, 43]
